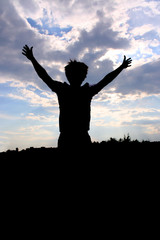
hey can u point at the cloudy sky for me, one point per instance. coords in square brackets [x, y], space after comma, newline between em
[97, 32]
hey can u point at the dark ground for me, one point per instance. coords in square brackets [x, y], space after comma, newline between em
[113, 163]
[105, 152]
[115, 183]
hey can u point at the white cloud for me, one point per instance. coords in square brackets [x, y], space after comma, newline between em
[8, 117]
[36, 136]
[141, 30]
[42, 118]
[34, 99]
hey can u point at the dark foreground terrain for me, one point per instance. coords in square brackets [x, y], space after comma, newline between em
[111, 163]
[114, 182]
[106, 151]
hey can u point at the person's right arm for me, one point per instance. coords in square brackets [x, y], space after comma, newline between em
[26, 51]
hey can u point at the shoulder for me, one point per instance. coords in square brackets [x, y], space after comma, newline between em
[65, 85]
[58, 86]
[86, 86]
[92, 89]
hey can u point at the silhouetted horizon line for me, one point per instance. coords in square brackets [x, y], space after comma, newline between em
[126, 139]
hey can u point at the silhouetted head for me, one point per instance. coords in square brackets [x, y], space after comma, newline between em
[76, 72]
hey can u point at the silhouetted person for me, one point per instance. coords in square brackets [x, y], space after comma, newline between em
[74, 99]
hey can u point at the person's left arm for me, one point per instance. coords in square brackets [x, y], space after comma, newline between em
[111, 76]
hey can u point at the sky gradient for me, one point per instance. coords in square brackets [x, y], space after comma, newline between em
[98, 33]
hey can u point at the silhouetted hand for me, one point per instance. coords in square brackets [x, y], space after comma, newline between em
[126, 62]
[26, 51]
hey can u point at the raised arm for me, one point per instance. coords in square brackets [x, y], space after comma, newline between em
[28, 52]
[112, 75]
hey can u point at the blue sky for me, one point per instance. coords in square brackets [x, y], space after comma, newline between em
[46, 27]
[99, 33]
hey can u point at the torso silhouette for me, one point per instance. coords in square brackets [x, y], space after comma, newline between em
[74, 117]
[74, 107]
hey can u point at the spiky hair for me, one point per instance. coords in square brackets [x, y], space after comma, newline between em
[75, 67]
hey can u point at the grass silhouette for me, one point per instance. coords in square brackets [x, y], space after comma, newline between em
[124, 148]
